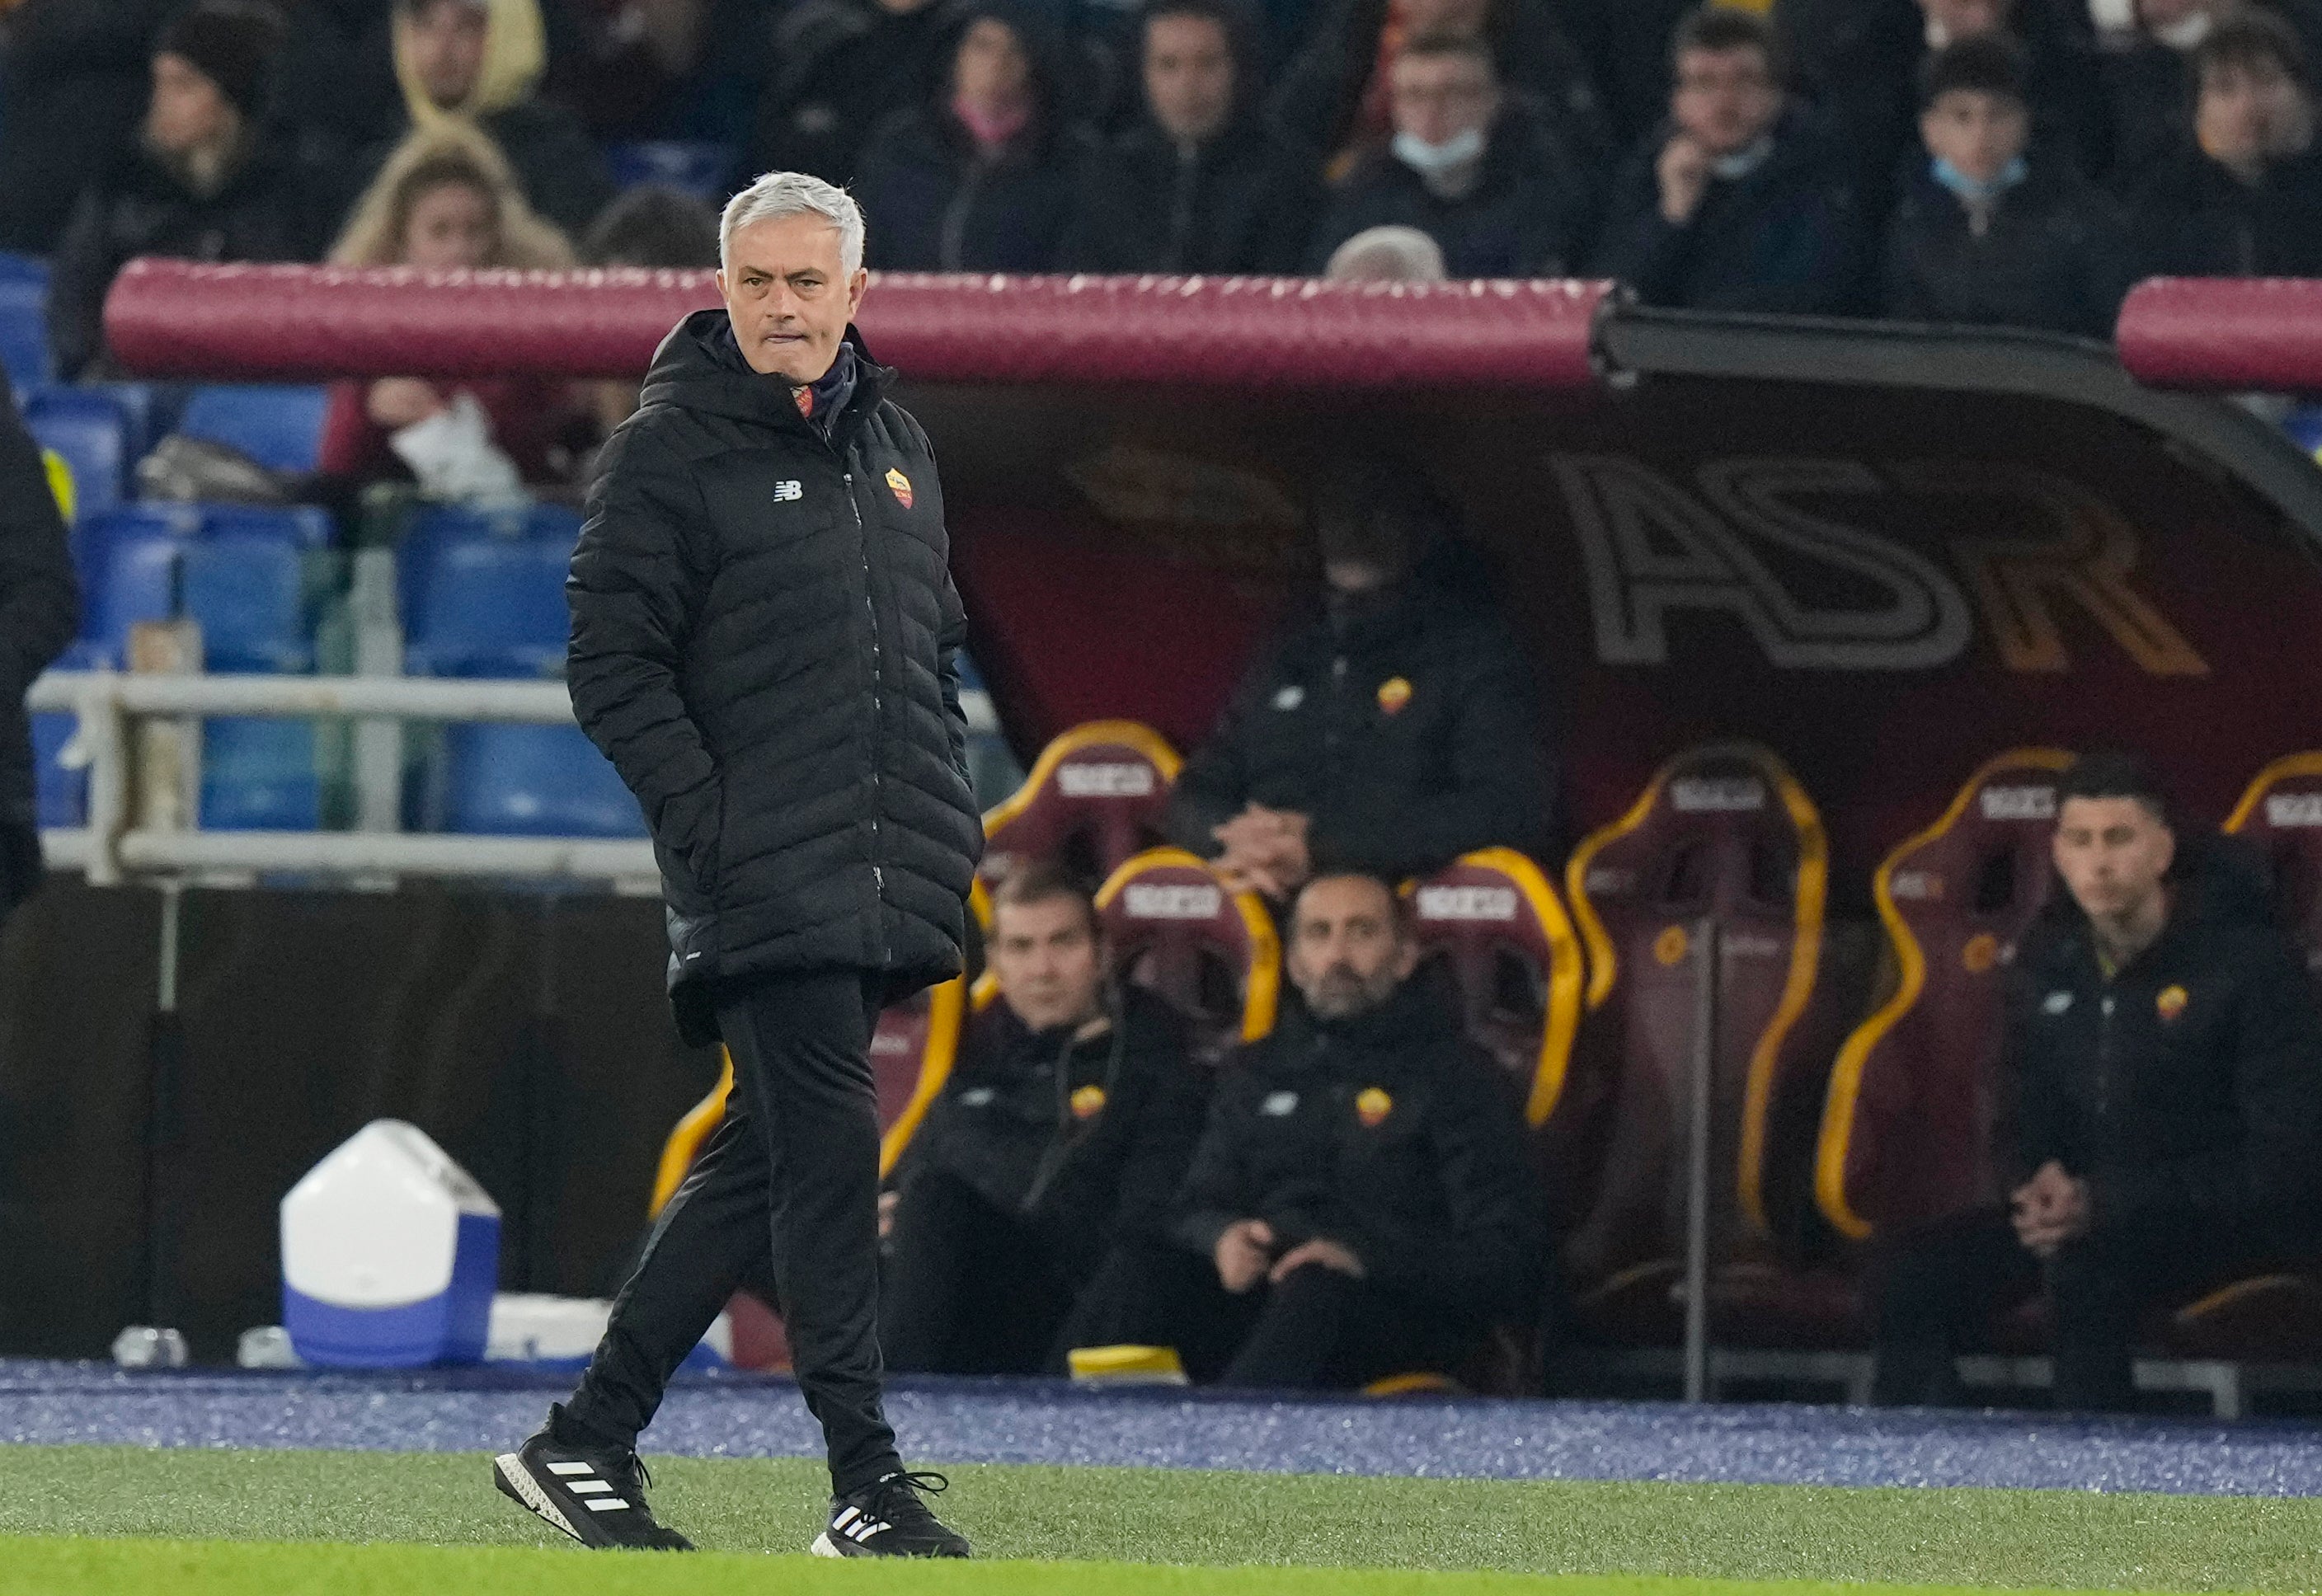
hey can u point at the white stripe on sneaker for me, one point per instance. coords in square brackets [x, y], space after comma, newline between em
[605, 1504]
[569, 1469]
[589, 1487]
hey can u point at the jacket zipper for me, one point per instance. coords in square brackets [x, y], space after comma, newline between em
[2104, 1062]
[878, 695]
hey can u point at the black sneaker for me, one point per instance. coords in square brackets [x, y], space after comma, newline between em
[888, 1520]
[594, 1494]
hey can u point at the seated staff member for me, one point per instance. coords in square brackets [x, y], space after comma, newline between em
[1064, 1131]
[2167, 1060]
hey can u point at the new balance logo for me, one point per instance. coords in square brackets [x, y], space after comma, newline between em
[788, 492]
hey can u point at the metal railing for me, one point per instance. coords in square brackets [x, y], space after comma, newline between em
[114, 846]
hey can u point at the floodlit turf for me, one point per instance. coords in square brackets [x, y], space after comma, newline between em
[1135, 1516]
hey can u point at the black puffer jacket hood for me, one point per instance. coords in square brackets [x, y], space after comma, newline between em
[765, 640]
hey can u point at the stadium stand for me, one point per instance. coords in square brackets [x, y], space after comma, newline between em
[1175, 928]
[279, 426]
[90, 431]
[24, 351]
[703, 170]
[1094, 798]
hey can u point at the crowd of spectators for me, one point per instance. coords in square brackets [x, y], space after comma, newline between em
[1716, 157]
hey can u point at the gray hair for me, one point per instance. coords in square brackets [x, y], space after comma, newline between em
[777, 195]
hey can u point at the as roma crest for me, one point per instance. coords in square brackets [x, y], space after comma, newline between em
[900, 486]
[1372, 1107]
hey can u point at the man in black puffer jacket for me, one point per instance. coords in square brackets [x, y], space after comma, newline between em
[1393, 732]
[1064, 1131]
[40, 604]
[1360, 1204]
[765, 642]
[2166, 1060]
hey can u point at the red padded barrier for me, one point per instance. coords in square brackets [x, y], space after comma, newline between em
[169, 318]
[2224, 334]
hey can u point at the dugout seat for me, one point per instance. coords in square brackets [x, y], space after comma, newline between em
[1094, 798]
[2281, 813]
[1908, 1125]
[1214, 954]
[1722, 834]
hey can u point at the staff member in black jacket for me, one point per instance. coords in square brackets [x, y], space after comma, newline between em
[2167, 1061]
[1063, 1130]
[1390, 734]
[40, 607]
[765, 642]
[1360, 1204]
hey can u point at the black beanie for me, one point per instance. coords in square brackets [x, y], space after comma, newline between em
[231, 42]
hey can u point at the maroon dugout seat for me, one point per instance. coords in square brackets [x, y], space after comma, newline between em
[1908, 1125]
[1175, 929]
[1094, 798]
[2281, 813]
[1722, 834]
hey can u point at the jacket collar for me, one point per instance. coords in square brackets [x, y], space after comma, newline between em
[700, 367]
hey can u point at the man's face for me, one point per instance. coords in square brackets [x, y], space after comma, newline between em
[2252, 112]
[2112, 852]
[1979, 133]
[1348, 950]
[1189, 77]
[1046, 956]
[1968, 19]
[991, 68]
[186, 111]
[447, 49]
[1436, 98]
[1727, 100]
[790, 296]
[451, 228]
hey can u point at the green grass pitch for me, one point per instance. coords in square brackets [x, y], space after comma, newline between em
[76, 1519]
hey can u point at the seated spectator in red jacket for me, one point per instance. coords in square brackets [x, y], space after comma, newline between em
[980, 178]
[1471, 166]
[446, 202]
[1063, 1133]
[1992, 231]
[206, 183]
[1736, 203]
[2244, 198]
[1196, 184]
[2165, 1105]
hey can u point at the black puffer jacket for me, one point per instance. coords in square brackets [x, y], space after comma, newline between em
[1406, 730]
[39, 609]
[2191, 1080]
[764, 633]
[2051, 253]
[1389, 1134]
[1087, 1141]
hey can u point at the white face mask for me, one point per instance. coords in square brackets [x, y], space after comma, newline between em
[1432, 161]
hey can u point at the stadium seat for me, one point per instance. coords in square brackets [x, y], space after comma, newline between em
[1906, 1127]
[1724, 834]
[280, 427]
[247, 589]
[526, 781]
[88, 431]
[1094, 798]
[1516, 961]
[483, 593]
[24, 351]
[698, 169]
[260, 775]
[127, 558]
[2281, 813]
[60, 797]
[1175, 928]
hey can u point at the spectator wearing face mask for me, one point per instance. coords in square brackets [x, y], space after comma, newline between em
[1468, 166]
[1732, 204]
[1990, 231]
[2245, 198]
[1197, 184]
[981, 178]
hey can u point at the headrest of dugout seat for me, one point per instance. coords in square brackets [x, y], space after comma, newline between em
[1497, 923]
[1907, 1126]
[912, 1052]
[1175, 928]
[1095, 796]
[2281, 813]
[1721, 833]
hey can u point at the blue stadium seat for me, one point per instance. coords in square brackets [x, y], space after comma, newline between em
[483, 594]
[23, 268]
[62, 795]
[89, 432]
[127, 558]
[144, 408]
[306, 526]
[532, 781]
[259, 775]
[25, 349]
[699, 169]
[279, 427]
[249, 592]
